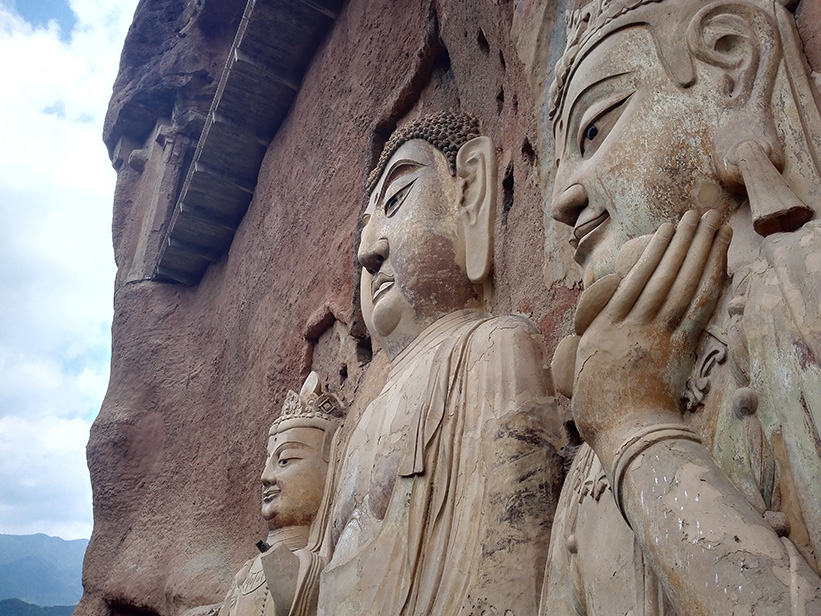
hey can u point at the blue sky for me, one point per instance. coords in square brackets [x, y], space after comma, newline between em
[39, 12]
[56, 261]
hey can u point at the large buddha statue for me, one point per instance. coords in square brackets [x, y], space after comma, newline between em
[283, 579]
[687, 151]
[443, 500]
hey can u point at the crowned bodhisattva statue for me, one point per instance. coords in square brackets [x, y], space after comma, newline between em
[687, 149]
[283, 579]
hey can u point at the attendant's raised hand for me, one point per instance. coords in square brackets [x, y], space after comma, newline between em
[638, 330]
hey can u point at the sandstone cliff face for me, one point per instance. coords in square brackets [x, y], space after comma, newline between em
[199, 372]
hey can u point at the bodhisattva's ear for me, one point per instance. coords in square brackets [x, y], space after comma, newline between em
[739, 44]
[476, 167]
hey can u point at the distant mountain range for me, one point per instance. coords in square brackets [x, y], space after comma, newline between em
[15, 607]
[41, 570]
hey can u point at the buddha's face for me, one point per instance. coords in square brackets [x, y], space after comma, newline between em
[294, 477]
[633, 150]
[412, 250]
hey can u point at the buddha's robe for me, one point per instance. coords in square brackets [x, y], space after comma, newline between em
[445, 494]
[249, 595]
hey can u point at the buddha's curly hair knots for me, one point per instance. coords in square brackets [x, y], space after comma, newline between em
[447, 131]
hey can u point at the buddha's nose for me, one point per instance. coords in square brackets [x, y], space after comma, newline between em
[568, 204]
[372, 251]
[269, 474]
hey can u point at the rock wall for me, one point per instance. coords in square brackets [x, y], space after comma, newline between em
[198, 373]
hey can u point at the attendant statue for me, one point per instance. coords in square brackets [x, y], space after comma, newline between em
[687, 149]
[283, 579]
[444, 497]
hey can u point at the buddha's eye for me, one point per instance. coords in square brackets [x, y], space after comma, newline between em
[393, 203]
[589, 144]
[595, 130]
[283, 462]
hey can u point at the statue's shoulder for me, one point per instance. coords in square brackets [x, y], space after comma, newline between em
[789, 269]
[511, 344]
[242, 574]
[507, 329]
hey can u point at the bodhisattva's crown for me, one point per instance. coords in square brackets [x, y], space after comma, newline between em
[582, 25]
[310, 408]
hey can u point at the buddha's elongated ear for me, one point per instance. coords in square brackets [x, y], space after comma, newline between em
[476, 167]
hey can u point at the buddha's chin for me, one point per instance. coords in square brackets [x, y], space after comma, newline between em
[385, 317]
[598, 261]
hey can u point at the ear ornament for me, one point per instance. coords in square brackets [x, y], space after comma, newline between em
[775, 207]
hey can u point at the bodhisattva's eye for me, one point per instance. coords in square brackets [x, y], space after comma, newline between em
[394, 202]
[283, 462]
[595, 131]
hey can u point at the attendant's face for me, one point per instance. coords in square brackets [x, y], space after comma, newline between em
[412, 248]
[294, 477]
[633, 150]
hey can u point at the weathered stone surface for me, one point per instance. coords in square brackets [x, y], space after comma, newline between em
[197, 372]
[173, 55]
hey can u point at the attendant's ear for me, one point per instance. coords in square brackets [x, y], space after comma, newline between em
[476, 168]
[739, 44]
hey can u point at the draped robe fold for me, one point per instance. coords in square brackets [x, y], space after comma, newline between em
[445, 494]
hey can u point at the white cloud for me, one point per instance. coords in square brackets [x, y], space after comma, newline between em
[45, 486]
[56, 261]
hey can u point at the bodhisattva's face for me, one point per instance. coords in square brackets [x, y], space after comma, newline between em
[412, 250]
[633, 150]
[294, 477]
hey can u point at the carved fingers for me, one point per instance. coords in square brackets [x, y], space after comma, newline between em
[637, 329]
[593, 300]
[703, 261]
[563, 366]
[636, 281]
[682, 267]
[591, 303]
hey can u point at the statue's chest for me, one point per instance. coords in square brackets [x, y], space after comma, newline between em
[376, 447]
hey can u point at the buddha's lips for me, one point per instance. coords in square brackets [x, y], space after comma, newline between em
[381, 283]
[270, 493]
[586, 225]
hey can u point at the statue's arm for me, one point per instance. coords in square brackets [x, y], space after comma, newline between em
[518, 427]
[712, 551]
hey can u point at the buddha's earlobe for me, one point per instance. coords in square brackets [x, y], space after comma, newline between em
[742, 42]
[476, 168]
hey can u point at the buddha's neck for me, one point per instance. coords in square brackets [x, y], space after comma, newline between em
[293, 537]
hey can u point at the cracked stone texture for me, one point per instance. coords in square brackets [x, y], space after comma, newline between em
[197, 373]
